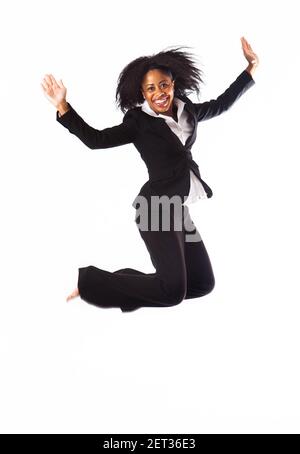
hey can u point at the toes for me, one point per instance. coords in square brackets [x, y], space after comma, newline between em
[73, 294]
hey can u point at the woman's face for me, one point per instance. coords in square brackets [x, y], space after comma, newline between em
[158, 89]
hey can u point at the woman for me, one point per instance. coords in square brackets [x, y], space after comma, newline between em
[161, 121]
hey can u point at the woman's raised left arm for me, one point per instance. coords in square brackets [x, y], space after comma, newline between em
[214, 107]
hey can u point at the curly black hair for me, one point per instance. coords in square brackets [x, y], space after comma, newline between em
[176, 63]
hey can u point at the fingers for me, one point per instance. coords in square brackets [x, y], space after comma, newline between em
[248, 52]
[54, 83]
[46, 87]
[50, 86]
[73, 294]
[246, 44]
[43, 85]
[49, 82]
[61, 84]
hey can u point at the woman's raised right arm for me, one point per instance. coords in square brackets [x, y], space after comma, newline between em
[66, 115]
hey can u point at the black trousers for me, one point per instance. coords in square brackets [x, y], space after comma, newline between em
[183, 271]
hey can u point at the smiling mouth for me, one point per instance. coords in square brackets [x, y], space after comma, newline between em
[163, 102]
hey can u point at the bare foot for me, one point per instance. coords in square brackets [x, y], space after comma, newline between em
[73, 294]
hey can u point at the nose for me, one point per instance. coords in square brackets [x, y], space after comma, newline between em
[160, 92]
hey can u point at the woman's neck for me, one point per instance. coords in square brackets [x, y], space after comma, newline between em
[172, 112]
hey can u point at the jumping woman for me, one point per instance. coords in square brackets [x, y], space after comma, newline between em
[161, 121]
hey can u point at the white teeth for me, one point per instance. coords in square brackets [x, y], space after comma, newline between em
[163, 101]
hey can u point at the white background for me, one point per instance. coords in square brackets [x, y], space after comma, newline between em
[224, 363]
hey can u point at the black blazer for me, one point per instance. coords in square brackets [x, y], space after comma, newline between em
[168, 161]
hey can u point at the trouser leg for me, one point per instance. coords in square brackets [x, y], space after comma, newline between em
[200, 276]
[199, 272]
[129, 289]
[183, 271]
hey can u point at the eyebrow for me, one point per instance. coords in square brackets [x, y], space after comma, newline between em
[163, 80]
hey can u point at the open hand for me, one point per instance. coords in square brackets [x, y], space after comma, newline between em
[250, 56]
[54, 91]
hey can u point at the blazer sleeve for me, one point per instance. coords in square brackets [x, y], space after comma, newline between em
[214, 107]
[113, 136]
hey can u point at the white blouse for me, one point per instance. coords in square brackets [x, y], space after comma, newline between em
[183, 130]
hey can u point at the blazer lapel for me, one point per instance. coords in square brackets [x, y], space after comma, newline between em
[188, 107]
[163, 129]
